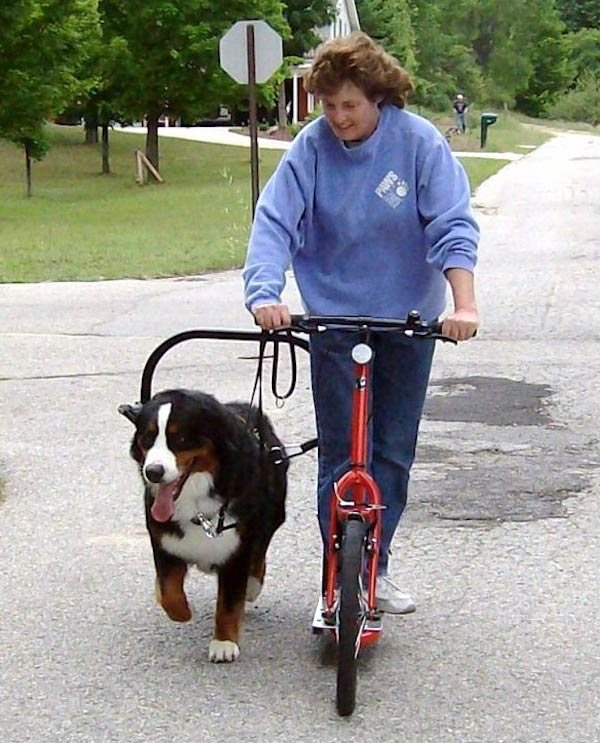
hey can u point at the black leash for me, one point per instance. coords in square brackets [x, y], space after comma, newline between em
[276, 454]
[262, 344]
[275, 370]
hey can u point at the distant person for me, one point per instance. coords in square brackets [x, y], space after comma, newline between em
[460, 112]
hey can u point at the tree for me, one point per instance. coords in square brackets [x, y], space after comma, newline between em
[583, 48]
[578, 14]
[526, 64]
[101, 105]
[44, 47]
[516, 46]
[581, 100]
[389, 23]
[168, 62]
[303, 18]
[549, 75]
[444, 57]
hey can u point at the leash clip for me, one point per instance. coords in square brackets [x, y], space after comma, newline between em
[205, 524]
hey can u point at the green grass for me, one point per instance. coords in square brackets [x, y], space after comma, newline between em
[480, 170]
[508, 134]
[82, 225]
[558, 125]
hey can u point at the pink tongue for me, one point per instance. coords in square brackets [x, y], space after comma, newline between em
[162, 508]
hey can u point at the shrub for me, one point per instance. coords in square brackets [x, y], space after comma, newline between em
[581, 103]
[293, 129]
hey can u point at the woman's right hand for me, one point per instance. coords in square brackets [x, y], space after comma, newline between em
[272, 316]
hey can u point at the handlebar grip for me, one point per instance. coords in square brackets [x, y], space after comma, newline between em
[297, 319]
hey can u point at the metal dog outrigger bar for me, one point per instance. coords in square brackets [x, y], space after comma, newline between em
[263, 338]
[256, 336]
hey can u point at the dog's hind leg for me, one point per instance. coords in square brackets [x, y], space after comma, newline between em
[170, 574]
[233, 579]
[256, 579]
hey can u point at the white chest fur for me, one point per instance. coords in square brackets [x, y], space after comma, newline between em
[195, 546]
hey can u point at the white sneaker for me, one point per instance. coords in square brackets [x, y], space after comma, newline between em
[391, 599]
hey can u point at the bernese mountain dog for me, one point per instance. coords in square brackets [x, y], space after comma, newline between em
[215, 479]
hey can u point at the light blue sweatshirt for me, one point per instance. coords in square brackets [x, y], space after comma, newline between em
[368, 229]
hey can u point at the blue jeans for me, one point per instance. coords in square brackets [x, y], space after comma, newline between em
[461, 121]
[400, 374]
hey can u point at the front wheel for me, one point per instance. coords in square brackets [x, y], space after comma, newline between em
[351, 614]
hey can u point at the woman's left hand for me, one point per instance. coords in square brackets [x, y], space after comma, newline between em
[461, 324]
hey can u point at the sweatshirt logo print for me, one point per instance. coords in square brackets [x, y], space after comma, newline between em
[392, 189]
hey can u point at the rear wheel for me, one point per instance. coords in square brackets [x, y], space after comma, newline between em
[351, 614]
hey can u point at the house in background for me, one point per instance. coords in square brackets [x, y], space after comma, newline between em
[345, 21]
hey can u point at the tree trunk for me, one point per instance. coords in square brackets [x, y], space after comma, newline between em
[91, 132]
[105, 161]
[281, 110]
[152, 142]
[28, 170]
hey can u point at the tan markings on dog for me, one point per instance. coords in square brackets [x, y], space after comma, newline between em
[171, 596]
[228, 621]
[204, 458]
[150, 430]
[152, 427]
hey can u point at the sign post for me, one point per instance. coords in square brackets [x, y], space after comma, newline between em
[250, 52]
[253, 115]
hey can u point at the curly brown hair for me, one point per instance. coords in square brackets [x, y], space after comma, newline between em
[358, 59]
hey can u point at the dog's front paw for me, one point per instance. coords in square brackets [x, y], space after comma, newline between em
[223, 651]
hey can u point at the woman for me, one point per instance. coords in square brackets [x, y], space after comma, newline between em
[372, 210]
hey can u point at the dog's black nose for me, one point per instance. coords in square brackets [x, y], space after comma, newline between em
[154, 472]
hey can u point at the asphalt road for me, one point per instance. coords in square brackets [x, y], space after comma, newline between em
[499, 545]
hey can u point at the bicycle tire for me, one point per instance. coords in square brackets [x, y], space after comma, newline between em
[350, 615]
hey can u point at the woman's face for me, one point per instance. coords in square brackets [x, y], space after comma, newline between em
[350, 114]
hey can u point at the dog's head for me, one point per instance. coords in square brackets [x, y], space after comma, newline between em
[177, 433]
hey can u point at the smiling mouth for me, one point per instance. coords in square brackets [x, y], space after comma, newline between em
[164, 501]
[342, 131]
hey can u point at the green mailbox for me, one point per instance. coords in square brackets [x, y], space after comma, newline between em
[487, 119]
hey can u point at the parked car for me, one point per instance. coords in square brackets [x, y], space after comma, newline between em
[222, 117]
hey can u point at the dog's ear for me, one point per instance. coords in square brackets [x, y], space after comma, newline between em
[131, 412]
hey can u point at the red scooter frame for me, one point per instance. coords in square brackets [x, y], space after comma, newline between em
[356, 494]
[353, 542]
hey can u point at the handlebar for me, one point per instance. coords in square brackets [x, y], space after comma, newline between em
[412, 326]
